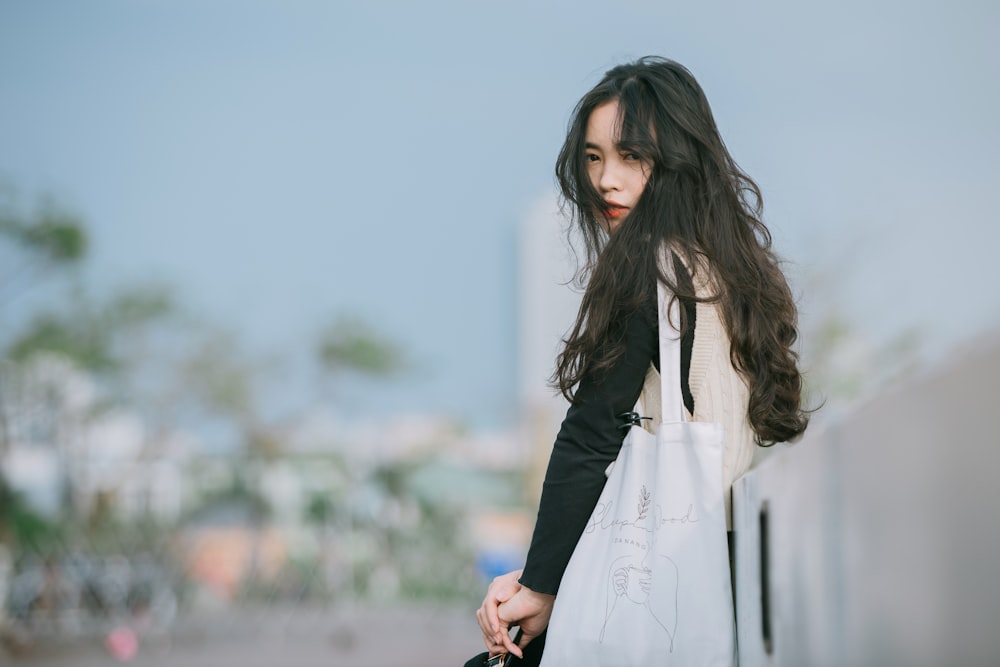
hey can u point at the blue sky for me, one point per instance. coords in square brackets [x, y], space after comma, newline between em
[284, 162]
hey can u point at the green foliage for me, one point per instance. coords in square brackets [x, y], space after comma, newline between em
[139, 306]
[82, 340]
[427, 549]
[218, 376]
[56, 236]
[89, 334]
[352, 344]
[319, 509]
[20, 525]
[395, 477]
[52, 234]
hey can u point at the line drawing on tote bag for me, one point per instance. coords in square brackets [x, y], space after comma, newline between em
[632, 580]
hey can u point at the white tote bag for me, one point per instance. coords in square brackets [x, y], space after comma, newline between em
[649, 581]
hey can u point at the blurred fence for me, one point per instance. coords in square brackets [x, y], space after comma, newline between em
[306, 558]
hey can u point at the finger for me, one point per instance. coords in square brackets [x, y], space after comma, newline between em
[497, 629]
[491, 609]
[509, 646]
[489, 621]
[484, 623]
[495, 644]
[507, 643]
[492, 639]
[500, 591]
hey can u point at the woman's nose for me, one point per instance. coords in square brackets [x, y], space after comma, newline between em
[610, 177]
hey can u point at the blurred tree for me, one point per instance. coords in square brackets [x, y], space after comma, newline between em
[20, 525]
[95, 336]
[93, 340]
[352, 344]
[141, 350]
[49, 239]
[46, 241]
[421, 536]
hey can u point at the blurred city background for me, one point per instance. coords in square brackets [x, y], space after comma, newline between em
[281, 285]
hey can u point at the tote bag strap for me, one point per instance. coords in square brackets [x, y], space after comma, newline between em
[671, 398]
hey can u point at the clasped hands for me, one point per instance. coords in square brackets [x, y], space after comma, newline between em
[508, 604]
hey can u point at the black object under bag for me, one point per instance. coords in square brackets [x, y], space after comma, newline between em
[532, 655]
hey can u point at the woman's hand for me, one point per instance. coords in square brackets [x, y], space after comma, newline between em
[501, 589]
[508, 604]
[530, 611]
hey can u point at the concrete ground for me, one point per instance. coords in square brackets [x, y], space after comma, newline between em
[415, 636]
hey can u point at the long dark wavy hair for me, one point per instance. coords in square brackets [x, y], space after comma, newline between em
[699, 203]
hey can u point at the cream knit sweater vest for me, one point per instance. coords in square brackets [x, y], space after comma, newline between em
[720, 393]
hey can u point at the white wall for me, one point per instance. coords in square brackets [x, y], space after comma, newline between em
[883, 530]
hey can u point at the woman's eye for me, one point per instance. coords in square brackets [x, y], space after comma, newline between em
[632, 156]
[592, 157]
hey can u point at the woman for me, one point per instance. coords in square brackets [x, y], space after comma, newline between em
[644, 170]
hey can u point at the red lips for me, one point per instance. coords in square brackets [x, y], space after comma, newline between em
[614, 210]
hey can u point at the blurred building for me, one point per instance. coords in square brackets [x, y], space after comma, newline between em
[65, 449]
[547, 305]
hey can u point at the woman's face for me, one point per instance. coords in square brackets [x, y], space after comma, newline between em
[619, 176]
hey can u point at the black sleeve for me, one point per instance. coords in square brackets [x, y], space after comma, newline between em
[588, 441]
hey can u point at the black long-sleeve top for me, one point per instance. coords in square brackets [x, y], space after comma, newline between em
[589, 440]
